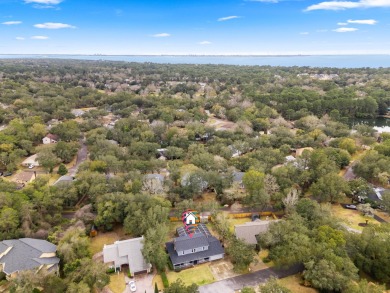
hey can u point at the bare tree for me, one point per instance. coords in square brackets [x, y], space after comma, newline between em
[291, 200]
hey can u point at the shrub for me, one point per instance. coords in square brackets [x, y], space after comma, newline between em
[110, 270]
[164, 280]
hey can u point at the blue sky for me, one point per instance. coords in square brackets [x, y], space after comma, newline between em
[194, 27]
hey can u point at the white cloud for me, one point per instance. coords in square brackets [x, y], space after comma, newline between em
[47, 2]
[345, 29]
[162, 35]
[304, 33]
[53, 25]
[342, 23]
[228, 18]
[363, 21]
[14, 22]
[20, 38]
[342, 5]
[204, 43]
[39, 37]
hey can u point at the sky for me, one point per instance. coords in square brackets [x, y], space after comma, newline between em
[201, 27]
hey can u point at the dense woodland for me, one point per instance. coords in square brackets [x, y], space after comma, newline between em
[198, 126]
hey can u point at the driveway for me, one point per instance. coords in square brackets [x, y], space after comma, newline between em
[82, 155]
[143, 282]
[253, 279]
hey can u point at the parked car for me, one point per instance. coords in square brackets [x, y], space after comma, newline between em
[133, 288]
[350, 206]
[31, 166]
[7, 174]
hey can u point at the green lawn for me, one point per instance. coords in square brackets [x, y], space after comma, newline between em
[351, 217]
[200, 275]
[293, 283]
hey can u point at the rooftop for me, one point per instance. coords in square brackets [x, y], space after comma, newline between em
[248, 231]
[25, 254]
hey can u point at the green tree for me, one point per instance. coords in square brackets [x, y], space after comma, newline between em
[74, 245]
[241, 254]
[179, 287]
[329, 188]
[47, 159]
[62, 170]
[386, 201]
[254, 184]
[272, 286]
[154, 251]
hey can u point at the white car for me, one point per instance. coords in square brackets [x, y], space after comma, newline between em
[133, 288]
[31, 166]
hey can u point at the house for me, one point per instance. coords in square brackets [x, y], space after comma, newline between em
[300, 151]
[64, 180]
[50, 138]
[31, 161]
[237, 179]
[25, 254]
[153, 183]
[188, 250]
[78, 112]
[24, 177]
[248, 231]
[127, 253]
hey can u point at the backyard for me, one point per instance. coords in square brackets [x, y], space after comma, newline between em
[351, 218]
[97, 242]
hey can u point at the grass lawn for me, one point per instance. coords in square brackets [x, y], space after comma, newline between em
[98, 242]
[200, 275]
[157, 279]
[117, 283]
[172, 230]
[292, 283]
[351, 217]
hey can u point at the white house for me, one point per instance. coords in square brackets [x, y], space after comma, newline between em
[127, 252]
[50, 138]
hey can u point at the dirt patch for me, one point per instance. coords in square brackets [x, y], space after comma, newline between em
[222, 269]
[220, 124]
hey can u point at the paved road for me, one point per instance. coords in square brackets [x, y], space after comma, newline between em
[82, 155]
[253, 279]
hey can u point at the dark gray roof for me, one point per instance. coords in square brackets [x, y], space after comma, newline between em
[215, 248]
[237, 176]
[3, 247]
[187, 242]
[154, 176]
[25, 253]
[64, 180]
[38, 244]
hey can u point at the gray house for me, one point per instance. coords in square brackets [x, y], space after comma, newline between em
[127, 252]
[250, 230]
[188, 250]
[24, 254]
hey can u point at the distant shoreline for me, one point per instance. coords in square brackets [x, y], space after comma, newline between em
[195, 55]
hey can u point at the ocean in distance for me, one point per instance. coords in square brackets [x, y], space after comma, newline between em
[338, 61]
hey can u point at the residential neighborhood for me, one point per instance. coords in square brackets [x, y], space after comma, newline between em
[122, 177]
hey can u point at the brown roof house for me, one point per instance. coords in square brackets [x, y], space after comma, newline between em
[248, 231]
[17, 255]
[50, 138]
[129, 253]
[25, 177]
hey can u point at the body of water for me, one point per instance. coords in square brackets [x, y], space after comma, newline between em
[338, 61]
